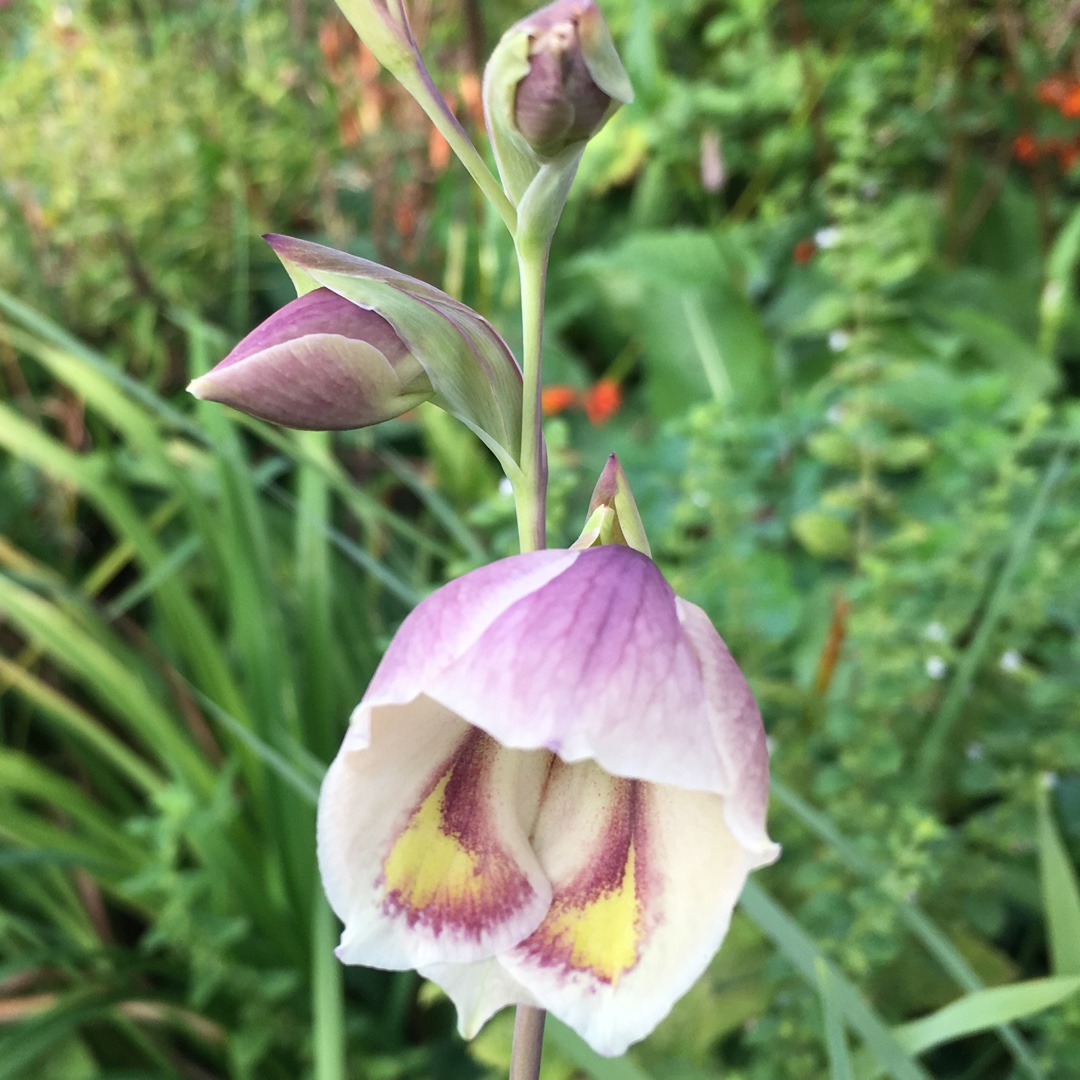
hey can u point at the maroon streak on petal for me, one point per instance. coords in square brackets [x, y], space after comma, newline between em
[448, 868]
[423, 842]
[611, 960]
[597, 923]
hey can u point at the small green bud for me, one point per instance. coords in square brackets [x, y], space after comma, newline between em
[613, 513]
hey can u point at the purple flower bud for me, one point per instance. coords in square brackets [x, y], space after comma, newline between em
[558, 102]
[320, 363]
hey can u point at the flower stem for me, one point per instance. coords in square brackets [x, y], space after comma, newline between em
[423, 89]
[531, 492]
[528, 1043]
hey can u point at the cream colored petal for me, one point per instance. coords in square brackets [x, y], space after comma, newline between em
[645, 878]
[423, 841]
[478, 991]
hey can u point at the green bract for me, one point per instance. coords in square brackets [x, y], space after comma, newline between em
[472, 371]
[613, 513]
[383, 26]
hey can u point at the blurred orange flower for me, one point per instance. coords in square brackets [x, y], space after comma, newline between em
[1052, 89]
[602, 401]
[557, 399]
[803, 251]
[1026, 148]
[1069, 105]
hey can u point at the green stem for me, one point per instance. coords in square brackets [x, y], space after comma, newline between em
[423, 89]
[528, 1043]
[531, 491]
[327, 1004]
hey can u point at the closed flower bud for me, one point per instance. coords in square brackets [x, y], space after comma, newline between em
[470, 370]
[558, 103]
[320, 363]
[552, 82]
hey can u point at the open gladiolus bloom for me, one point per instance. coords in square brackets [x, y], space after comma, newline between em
[551, 794]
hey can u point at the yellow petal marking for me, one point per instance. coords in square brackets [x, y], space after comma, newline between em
[601, 934]
[426, 864]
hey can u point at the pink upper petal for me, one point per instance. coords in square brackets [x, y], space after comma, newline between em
[738, 733]
[319, 312]
[583, 653]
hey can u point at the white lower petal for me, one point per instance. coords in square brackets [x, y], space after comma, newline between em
[478, 991]
[423, 841]
[645, 878]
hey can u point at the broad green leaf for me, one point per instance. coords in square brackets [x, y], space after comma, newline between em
[1060, 892]
[985, 1009]
[799, 949]
[835, 1035]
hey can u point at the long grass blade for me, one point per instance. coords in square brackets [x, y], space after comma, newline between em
[933, 745]
[799, 949]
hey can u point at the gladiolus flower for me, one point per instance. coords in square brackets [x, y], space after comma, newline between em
[602, 401]
[322, 363]
[552, 792]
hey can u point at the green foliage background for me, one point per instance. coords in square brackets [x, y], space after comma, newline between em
[856, 448]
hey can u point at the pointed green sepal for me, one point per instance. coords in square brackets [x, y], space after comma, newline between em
[613, 514]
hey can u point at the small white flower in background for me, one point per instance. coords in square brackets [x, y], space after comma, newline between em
[975, 752]
[827, 237]
[936, 632]
[835, 413]
[839, 340]
[936, 667]
[1010, 661]
[505, 487]
[713, 174]
[700, 498]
